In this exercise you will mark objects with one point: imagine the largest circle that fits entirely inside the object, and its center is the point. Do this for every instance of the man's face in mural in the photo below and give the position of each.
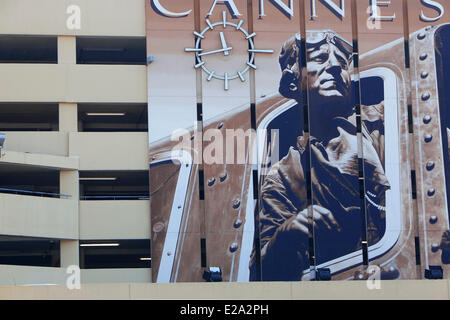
(328, 72)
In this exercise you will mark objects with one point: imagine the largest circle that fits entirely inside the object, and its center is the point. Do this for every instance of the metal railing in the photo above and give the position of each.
(65, 196)
(34, 193)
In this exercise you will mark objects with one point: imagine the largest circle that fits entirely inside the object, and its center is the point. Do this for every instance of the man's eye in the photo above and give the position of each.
(343, 63)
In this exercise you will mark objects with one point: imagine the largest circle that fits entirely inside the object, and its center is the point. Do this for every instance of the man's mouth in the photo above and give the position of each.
(328, 80)
(333, 84)
(329, 84)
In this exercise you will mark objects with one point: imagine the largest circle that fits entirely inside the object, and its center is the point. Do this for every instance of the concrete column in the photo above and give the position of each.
(70, 253)
(69, 185)
(68, 117)
(68, 112)
(67, 50)
(68, 121)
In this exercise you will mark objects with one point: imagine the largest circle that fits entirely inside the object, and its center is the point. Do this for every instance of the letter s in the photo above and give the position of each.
(433, 5)
(156, 5)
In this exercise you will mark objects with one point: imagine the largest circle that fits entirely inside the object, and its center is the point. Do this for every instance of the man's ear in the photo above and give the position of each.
(290, 86)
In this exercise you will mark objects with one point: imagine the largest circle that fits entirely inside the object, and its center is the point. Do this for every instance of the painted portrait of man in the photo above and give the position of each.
(331, 151)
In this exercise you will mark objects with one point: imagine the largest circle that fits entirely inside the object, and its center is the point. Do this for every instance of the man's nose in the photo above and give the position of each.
(333, 66)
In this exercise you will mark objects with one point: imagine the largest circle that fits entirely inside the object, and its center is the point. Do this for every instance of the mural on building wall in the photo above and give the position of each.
(290, 136)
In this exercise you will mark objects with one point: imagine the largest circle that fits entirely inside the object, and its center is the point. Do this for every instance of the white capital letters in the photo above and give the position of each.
(338, 10)
(164, 12)
(433, 5)
(374, 13)
(230, 5)
(280, 5)
(372, 23)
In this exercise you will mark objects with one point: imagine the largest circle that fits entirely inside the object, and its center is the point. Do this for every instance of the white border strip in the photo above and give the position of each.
(392, 161)
(176, 215)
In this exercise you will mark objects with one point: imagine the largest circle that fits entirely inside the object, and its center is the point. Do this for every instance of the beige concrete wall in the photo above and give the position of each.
(72, 83)
(51, 143)
(21, 275)
(110, 150)
(99, 17)
(32, 276)
(68, 84)
(137, 275)
(115, 219)
(96, 150)
(38, 217)
(39, 160)
(347, 290)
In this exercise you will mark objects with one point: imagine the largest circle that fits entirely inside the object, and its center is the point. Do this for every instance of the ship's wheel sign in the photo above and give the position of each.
(226, 49)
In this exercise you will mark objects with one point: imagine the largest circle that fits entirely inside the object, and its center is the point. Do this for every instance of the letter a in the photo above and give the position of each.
(230, 5)
(74, 280)
(74, 20)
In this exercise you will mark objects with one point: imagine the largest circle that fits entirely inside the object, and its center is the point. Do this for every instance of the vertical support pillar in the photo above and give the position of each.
(67, 50)
(69, 248)
(68, 117)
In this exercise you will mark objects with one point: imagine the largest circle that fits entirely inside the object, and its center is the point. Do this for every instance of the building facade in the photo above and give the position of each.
(148, 141)
(74, 128)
